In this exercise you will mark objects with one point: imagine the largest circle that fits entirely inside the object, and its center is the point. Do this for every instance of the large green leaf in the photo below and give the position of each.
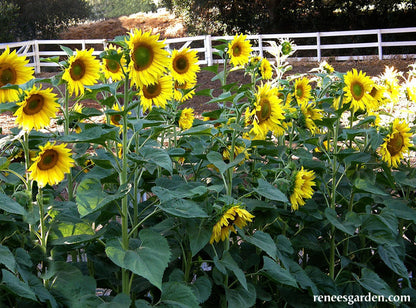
(91, 197)
(176, 294)
(120, 301)
(157, 156)
(9, 205)
(348, 226)
(277, 273)
(381, 228)
(202, 288)
(7, 258)
(149, 260)
(263, 241)
(228, 262)
(16, 286)
(390, 257)
(269, 191)
(199, 239)
(183, 208)
(367, 186)
(240, 297)
(373, 283)
(98, 134)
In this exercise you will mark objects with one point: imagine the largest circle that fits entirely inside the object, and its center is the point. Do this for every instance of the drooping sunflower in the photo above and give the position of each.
(377, 96)
(268, 112)
(112, 68)
(357, 89)
(83, 70)
(186, 118)
(184, 65)
(265, 69)
(302, 187)
(37, 109)
(234, 216)
(302, 91)
(149, 59)
(310, 114)
(237, 150)
(187, 88)
(396, 143)
(115, 118)
(239, 50)
(13, 70)
(51, 164)
(157, 93)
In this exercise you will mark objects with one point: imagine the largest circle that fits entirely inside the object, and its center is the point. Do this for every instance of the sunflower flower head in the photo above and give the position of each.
(186, 118)
(234, 216)
(302, 187)
(310, 114)
(390, 80)
(184, 65)
(357, 89)
(13, 70)
(239, 50)
(36, 109)
(83, 70)
(113, 64)
(302, 90)
(149, 58)
(184, 91)
(265, 68)
(51, 164)
(268, 112)
(157, 93)
(396, 143)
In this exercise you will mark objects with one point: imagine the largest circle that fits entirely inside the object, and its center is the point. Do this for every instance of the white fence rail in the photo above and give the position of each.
(357, 45)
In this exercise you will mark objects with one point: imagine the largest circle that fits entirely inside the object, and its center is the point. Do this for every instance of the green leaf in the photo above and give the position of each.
(16, 286)
(381, 228)
(157, 156)
(373, 283)
(365, 185)
(91, 197)
(183, 208)
(390, 257)
(400, 208)
(277, 273)
(7, 258)
(120, 301)
(67, 50)
(199, 240)
(228, 262)
(216, 159)
(202, 288)
(206, 129)
(149, 260)
(267, 190)
(240, 297)
(348, 226)
(98, 134)
(9, 205)
(176, 294)
(263, 241)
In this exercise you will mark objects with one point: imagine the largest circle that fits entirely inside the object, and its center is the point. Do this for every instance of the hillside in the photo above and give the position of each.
(162, 22)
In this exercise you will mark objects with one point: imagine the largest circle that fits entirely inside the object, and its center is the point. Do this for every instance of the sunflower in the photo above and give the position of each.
(265, 69)
(157, 93)
(396, 143)
(237, 150)
(186, 118)
(410, 90)
(234, 216)
(309, 115)
(357, 89)
(268, 112)
(83, 70)
(302, 91)
(239, 50)
(377, 96)
(390, 80)
(116, 118)
(149, 59)
(13, 70)
(302, 187)
(183, 66)
(51, 164)
(187, 87)
(37, 109)
(112, 68)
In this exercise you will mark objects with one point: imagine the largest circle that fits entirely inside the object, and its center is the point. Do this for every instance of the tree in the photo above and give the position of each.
(116, 8)
(8, 21)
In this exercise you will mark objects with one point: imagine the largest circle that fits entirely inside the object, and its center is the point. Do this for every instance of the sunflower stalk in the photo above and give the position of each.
(66, 133)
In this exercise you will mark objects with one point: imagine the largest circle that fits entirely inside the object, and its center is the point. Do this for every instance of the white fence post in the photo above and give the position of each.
(36, 57)
(318, 46)
(260, 45)
(380, 45)
(208, 50)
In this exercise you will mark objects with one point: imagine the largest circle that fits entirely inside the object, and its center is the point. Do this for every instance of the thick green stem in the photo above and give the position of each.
(66, 133)
(43, 233)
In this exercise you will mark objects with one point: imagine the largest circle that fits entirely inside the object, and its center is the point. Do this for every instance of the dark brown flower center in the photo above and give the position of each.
(181, 64)
(236, 50)
(395, 144)
(266, 110)
(357, 91)
(48, 160)
(152, 91)
(77, 70)
(112, 65)
(115, 119)
(299, 92)
(7, 75)
(34, 104)
(142, 56)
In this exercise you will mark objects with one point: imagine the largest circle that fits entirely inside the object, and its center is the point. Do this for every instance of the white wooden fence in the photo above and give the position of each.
(315, 45)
